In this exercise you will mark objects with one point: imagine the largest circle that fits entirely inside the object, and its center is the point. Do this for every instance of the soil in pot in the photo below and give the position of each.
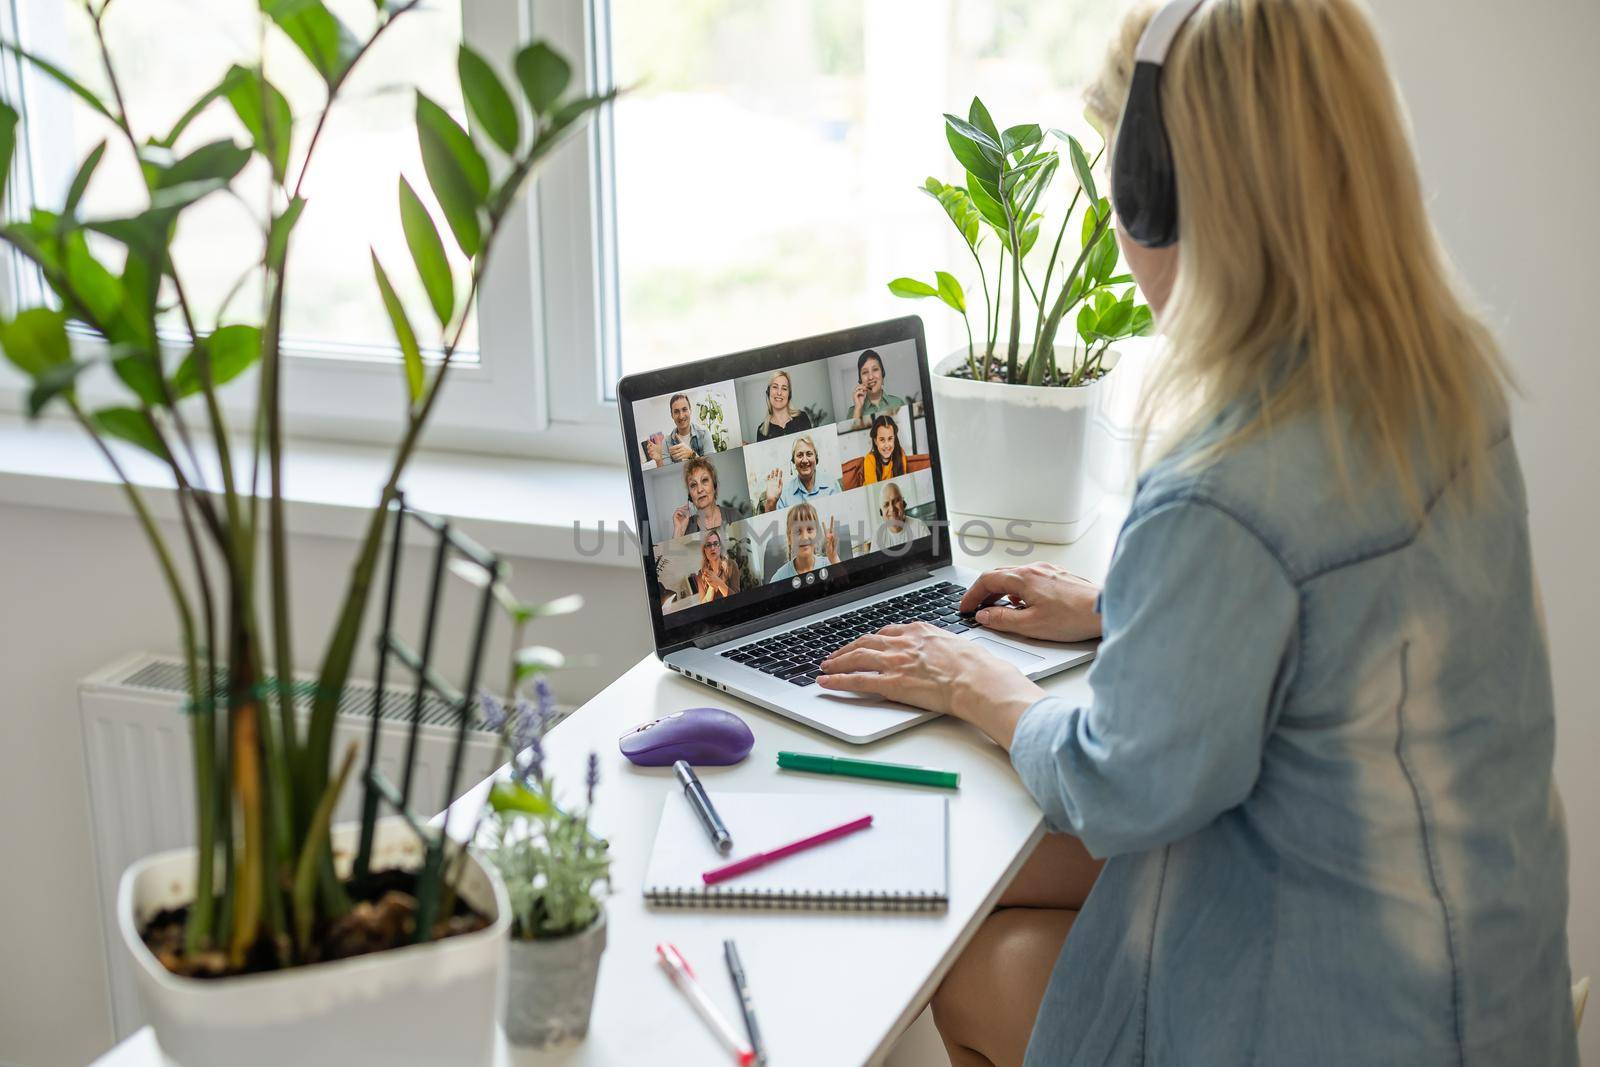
(998, 375)
(382, 916)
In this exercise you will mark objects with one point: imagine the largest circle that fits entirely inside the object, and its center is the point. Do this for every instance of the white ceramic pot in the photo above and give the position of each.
(1017, 456)
(419, 1005)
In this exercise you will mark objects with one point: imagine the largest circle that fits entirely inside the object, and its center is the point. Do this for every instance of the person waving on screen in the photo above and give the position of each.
(807, 483)
(1309, 779)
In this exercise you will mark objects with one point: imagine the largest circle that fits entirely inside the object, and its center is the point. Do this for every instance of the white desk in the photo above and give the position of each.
(832, 989)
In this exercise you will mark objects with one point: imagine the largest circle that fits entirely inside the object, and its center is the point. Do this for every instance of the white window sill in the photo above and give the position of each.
(537, 509)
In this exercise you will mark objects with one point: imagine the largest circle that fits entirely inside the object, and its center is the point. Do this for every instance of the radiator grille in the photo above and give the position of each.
(171, 677)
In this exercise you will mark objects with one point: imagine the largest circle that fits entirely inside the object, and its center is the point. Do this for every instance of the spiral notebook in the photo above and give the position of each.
(900, 863)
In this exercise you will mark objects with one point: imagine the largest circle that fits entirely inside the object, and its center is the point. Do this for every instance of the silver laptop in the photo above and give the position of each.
(789, 499)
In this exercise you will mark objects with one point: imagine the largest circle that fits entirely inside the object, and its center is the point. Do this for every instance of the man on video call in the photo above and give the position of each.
(686, 439)
(805, 484)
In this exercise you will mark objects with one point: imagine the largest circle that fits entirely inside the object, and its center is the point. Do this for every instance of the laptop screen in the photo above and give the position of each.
(773, 478)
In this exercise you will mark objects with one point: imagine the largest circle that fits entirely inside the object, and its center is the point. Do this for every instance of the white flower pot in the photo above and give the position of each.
(419, 1005)
(1018, 456)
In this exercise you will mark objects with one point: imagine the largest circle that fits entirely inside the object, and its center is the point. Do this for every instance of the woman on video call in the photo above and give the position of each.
(869, 399)
(887, 459)
(807, 483)
(718, 576)
(800, 526)
(700, 511)
(1316, 756)
(781, 417)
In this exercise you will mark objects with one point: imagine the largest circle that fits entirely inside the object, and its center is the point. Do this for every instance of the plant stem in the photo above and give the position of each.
(1062, 306)
(987, 312)
(972, 356)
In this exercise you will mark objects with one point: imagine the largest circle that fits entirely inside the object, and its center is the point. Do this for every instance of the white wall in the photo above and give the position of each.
(1505, 100)
(78, 590)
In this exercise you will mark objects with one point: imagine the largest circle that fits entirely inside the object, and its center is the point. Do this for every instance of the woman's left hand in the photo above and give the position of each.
(921, 665)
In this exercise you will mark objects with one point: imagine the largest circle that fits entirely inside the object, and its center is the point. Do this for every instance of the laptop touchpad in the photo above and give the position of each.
(1009, 653)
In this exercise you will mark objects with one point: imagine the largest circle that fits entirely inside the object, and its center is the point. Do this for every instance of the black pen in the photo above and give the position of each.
(746, 1005)
(702, 807)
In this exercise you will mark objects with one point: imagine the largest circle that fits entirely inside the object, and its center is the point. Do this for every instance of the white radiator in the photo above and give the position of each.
(141, 788)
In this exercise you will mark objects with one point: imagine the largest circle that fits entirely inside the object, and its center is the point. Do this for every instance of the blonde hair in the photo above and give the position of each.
(799, 513)
(790, 412)
(1310, 279)
(803, 439)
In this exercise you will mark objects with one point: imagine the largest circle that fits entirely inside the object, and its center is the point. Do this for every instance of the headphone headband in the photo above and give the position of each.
(1144, 188)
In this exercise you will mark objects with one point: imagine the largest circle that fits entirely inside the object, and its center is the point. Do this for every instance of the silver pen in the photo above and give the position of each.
(702, 807)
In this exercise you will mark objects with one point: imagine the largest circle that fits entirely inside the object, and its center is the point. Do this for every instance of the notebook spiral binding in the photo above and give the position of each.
(792, 900)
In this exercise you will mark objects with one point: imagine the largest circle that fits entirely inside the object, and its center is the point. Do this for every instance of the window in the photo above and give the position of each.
(757, 181)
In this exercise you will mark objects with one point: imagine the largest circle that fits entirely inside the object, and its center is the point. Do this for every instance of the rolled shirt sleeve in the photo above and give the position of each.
(1199, 618)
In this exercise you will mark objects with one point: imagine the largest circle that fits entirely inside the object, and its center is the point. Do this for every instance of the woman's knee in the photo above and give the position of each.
(990, 997)
(1059, 874)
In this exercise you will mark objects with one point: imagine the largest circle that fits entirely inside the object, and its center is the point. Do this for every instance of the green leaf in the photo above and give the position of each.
(457, 173)
(1080, 167)
(972, 155)
(403, 333)
(141, 373)
(506, 795)
(265, 114)
(282, 227)
(911, 289)
(80, 181)
(219, 161)
(539, 658)
(487, 100)
(133, 426)
(544, 75)
(950, 291)
(978, 115)
(36, 340)
(561, 605)
(8, 143)
(221, 89)
(1019, 137)
(1088, 319)
(987, 206)
(92, 284)
(427, 252)
(325, 41)
(1030, 234)
(53, 382)
(1142, 322)
(61, 77)
(233, 350)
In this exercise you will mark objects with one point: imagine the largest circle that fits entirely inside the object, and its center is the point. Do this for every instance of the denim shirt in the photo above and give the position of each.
(1318, 755)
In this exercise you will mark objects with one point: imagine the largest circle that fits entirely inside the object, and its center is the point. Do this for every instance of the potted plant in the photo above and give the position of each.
(1025, 403)
(551, 864)
(266, 942)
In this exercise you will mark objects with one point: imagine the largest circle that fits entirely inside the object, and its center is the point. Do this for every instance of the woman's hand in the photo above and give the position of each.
(774, 489)
(680, 520)
(919, 664)
(1047, 602)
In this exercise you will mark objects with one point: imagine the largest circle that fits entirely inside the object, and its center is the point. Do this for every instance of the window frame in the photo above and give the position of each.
(543, 294)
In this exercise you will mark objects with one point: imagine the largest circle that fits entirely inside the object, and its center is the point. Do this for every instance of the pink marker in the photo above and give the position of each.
(761, 859)
(677, 969)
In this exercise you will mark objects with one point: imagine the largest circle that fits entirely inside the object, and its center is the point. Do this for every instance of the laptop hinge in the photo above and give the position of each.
(858, 592)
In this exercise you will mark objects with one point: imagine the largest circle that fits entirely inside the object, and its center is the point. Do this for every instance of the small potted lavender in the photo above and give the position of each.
(551, 863)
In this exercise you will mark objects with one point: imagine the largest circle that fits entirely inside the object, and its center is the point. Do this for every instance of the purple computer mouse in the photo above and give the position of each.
(704, 737)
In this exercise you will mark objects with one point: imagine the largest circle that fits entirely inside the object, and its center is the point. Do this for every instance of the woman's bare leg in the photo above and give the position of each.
(986, 1006)
(1059, 874)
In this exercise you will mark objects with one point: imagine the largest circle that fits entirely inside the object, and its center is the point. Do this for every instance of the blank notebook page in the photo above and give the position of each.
(900, 862)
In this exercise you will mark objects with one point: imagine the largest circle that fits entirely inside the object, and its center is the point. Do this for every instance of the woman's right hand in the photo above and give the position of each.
(680, 520)
(1047, 602)
(774, 488)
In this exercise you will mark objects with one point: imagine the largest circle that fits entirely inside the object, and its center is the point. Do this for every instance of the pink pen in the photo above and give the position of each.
(761, 859)
(677, 969)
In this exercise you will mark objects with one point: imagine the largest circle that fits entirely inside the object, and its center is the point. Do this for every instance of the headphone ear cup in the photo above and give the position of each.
(1143, 185)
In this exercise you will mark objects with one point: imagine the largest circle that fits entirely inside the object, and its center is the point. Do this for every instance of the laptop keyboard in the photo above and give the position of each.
(796, 656)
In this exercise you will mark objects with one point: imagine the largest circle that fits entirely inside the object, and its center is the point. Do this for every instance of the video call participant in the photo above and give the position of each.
(806, 484)
(870, 399)
(800, 530)
(897, 528)
(685, 441)
(718, 576)
(781, 417)
(700, 511)
(887, 458)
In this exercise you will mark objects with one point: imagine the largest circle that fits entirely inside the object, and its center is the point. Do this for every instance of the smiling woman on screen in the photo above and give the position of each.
(1316, 758)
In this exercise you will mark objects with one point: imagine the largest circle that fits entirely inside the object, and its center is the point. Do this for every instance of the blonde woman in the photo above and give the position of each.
(801, 528)
(808, 482)
(782, 416)
(718, 576)
(1317, 757)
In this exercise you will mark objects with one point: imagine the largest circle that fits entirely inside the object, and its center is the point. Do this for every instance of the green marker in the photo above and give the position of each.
(860, 768)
